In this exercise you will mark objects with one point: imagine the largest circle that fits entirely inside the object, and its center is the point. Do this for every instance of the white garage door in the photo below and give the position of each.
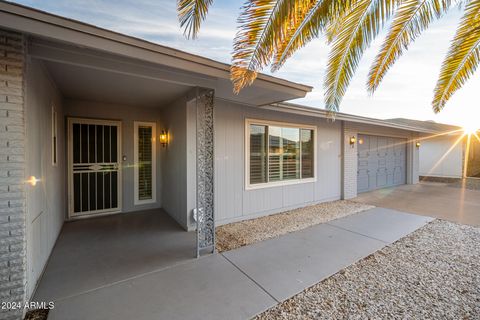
(382, 162)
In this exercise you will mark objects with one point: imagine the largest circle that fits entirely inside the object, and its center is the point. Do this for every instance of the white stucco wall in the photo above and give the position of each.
(437, 160)
(45, 201)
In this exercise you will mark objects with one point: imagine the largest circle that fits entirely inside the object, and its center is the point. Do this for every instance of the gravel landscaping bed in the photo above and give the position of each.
(38, 314)
(238, 234)
(434, 273)
(468, 183)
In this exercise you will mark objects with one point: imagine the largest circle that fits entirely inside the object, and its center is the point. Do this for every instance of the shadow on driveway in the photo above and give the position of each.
(430, 199)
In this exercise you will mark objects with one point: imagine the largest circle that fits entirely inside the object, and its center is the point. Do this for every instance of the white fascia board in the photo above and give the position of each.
(321, 113)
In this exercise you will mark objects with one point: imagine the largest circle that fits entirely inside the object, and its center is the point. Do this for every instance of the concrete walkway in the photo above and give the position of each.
(243, 282)
(437, 200)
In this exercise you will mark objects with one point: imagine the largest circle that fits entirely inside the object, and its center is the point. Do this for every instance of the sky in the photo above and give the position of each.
(406, 91)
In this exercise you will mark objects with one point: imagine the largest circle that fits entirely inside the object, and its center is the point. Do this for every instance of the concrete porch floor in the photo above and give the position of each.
(234, 285)
(437, 200)
(93, 253)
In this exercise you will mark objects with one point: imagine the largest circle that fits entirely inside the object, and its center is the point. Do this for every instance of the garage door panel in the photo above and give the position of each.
(390, 178)
(382, 147)
(372, 146)
(363, 163)
(363, 182)
(381, 162)
(400, 146)
(399, 176)
(390, 172)
(364, 149)
(381, 178)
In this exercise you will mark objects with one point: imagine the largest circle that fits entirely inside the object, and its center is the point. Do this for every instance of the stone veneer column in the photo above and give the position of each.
(205, 171)
(12, 172)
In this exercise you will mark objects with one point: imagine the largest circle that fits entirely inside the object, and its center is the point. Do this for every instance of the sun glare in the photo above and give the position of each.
(471, 128)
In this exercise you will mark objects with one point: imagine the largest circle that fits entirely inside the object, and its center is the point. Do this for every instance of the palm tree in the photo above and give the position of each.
(271, 31)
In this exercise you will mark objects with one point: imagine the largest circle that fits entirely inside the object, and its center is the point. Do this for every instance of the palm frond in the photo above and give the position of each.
(411, 18)
(462, 58)
(334, 26)
(298, 34)
(359, 27)
(191, 13)
(263, 25)
(309, 27)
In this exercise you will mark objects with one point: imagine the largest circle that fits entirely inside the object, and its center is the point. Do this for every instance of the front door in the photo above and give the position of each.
(94, 185)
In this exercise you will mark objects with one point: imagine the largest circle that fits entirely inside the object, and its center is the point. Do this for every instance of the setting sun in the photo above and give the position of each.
(470, 128)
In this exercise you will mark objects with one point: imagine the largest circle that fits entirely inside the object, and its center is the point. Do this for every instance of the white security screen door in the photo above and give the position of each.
(94, 185)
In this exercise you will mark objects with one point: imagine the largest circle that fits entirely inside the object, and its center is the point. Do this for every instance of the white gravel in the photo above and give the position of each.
(243, 233)
(434, 273)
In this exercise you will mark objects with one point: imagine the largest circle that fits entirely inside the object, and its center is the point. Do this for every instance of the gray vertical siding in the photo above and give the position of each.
(233, 202)
(191, 148)
(174, 162)
(45, 202)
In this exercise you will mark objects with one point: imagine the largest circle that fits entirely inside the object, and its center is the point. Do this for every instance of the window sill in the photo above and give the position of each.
(279, 183)
(142, 202)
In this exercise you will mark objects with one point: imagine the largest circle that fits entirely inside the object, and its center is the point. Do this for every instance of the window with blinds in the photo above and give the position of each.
(145, 164)
(54, 137)
(279, 153)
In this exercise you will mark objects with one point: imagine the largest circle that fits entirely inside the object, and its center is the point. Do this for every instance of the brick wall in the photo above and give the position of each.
(349, 173)
(12, 176)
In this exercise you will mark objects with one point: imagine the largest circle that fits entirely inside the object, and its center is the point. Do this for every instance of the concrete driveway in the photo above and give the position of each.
(430, 199)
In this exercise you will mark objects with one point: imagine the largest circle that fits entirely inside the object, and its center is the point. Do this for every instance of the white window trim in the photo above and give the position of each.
(248, 185)
(54, 143)
(136, 125)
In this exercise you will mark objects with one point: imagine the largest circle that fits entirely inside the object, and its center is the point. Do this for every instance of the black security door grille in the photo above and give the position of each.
(94, 166)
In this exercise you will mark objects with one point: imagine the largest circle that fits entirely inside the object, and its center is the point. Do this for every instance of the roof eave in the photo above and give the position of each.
(42, 24)
(321, 113)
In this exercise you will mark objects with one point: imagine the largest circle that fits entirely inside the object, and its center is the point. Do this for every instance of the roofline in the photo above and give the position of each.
(60, 22)
(450, 126)
(322, 113)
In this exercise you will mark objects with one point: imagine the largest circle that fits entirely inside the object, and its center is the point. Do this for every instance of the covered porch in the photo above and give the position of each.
(93, 253)
(120, 155)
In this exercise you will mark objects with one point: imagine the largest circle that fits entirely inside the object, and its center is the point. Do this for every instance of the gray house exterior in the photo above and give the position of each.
(77, 101)
(453, 153)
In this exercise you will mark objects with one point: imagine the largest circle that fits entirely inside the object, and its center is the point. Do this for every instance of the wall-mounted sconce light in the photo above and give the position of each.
(417, 144)
(32, 181)
(353, 139)
(164, 138)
